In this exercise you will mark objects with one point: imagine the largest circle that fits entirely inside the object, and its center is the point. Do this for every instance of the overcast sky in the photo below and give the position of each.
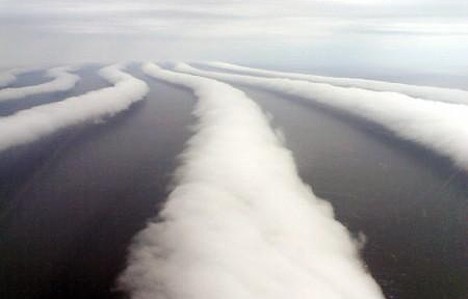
(397, 34)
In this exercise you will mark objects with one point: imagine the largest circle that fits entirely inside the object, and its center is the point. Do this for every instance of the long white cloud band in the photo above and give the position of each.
(441, 127)
(240, 222)
(29, 125)
(62, 81)
(425, 92)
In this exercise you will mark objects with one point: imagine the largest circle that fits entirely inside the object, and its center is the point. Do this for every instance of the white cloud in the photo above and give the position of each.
(62, 81)
(448, 95)
(240, 223)
(29, 125)
(441, 127)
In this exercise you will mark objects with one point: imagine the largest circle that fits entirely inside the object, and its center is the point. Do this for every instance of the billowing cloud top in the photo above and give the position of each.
(241, 224)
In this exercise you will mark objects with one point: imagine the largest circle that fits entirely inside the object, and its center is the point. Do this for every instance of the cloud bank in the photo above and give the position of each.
(441, 127)
(240, 222)
(426, 92)
(29, 125)
(62, 81)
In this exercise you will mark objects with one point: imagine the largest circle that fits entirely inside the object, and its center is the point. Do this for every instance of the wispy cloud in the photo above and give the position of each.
(299, 18)
(448, 95)
(338, 29)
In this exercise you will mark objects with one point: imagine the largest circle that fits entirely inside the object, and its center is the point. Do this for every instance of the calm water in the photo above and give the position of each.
(71, 202)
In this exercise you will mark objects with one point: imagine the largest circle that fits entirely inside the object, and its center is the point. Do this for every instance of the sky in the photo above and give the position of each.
(427, 36)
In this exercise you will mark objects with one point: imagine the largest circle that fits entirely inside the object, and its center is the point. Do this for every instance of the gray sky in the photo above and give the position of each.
(417, 35)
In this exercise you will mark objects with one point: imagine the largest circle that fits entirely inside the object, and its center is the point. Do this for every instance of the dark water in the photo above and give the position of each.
(67, 227)
(71, 202)
(90, 80)
(411, 204)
